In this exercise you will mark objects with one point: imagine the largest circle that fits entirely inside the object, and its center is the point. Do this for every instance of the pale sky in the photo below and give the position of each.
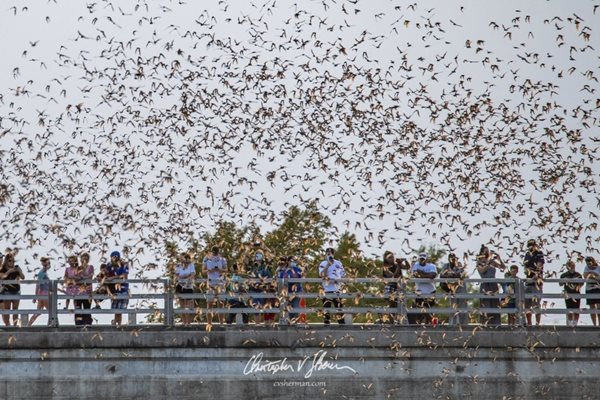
(525, 45)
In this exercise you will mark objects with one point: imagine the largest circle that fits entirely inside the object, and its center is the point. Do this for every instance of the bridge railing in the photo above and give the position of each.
(157, 300)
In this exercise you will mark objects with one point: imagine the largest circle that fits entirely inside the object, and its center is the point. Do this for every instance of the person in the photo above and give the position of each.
(85, 273)
(70, 279)
(11, 272)
(592, 274)
(423, 269)
(185, 274)
(117, 273)
(215, 267)
(570, 288)
(261, 275)
(291, 270)
(487, 264)
(534, 270)
(392, 269)
(510, 289)
(236, 289)
(454, 269)
(103, 288)
(330, 270)
(42, 288)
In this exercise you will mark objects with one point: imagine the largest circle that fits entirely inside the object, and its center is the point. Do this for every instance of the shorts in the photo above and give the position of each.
(182, 290)
(591, 302)
(119, 304)
(532, 302)
(573, 303)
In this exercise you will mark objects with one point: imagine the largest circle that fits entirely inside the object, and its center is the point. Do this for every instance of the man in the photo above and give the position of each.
(534, 272)
(290, 270)
(330, 270)
(117, 271)
(454, 269)
(261, 274)
(236, 289)
(571, 288)
(592, 274)
(215, 266)
(424, 270)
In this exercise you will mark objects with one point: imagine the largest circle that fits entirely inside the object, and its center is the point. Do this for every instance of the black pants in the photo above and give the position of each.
(83, 319)
(332, 303)
(230, 318)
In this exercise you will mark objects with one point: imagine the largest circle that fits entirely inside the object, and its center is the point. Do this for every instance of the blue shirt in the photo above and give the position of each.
(292, 273)
(44, 285)
(117, 271)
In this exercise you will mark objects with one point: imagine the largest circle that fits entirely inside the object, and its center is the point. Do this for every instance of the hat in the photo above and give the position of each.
(531, 242)
(422, 255)
(115, 254)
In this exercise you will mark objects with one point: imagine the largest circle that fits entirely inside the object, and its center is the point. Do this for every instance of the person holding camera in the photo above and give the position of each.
(534, 270)
(454, 269)
(215, 267)
(330, 270)
(392, 269)
(487, 264)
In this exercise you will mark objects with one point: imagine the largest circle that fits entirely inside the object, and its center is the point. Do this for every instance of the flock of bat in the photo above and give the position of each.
(153, 122)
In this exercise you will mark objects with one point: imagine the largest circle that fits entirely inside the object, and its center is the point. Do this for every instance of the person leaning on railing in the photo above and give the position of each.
(571, 288)
(592, 273)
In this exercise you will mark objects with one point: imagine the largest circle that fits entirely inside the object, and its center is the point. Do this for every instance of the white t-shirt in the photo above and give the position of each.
(424, 287)
(335, 271)
(180, 270)
(215, 265)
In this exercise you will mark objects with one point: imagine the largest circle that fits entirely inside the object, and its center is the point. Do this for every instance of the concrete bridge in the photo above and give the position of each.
(356, 362)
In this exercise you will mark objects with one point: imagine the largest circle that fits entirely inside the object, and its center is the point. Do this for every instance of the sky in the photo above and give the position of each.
(261, 144)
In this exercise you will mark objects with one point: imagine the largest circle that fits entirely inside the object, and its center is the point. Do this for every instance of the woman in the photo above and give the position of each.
(185, 274)
(592, 274)
(85, 274)
(487, 264)
(10, 271)
(392, 268)
(70, 279)
(42, 288)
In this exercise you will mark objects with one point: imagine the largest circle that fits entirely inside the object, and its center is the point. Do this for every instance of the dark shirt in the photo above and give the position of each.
(14, 274)
(534, 265)
(571, 287)
(116, 270)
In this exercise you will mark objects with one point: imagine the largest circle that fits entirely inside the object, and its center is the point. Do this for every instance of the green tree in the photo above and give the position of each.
(302, 233)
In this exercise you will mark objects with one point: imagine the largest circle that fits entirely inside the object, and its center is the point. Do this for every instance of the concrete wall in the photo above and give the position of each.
(154, 363)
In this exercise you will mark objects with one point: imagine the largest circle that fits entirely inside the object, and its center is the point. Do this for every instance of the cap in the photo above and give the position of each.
(115, 254)
(422, 255)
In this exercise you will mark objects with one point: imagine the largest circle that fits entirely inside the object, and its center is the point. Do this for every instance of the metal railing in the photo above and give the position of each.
(157, 300)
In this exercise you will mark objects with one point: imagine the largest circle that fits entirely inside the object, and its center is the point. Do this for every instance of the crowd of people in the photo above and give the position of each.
(251, 284)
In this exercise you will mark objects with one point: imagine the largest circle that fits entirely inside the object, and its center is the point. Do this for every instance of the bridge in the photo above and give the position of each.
(164, 360)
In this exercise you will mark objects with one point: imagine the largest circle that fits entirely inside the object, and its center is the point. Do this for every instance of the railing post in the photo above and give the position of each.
(520, 302)
(169, 318)
(53, 304)
(283, 294)
(402, 302)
